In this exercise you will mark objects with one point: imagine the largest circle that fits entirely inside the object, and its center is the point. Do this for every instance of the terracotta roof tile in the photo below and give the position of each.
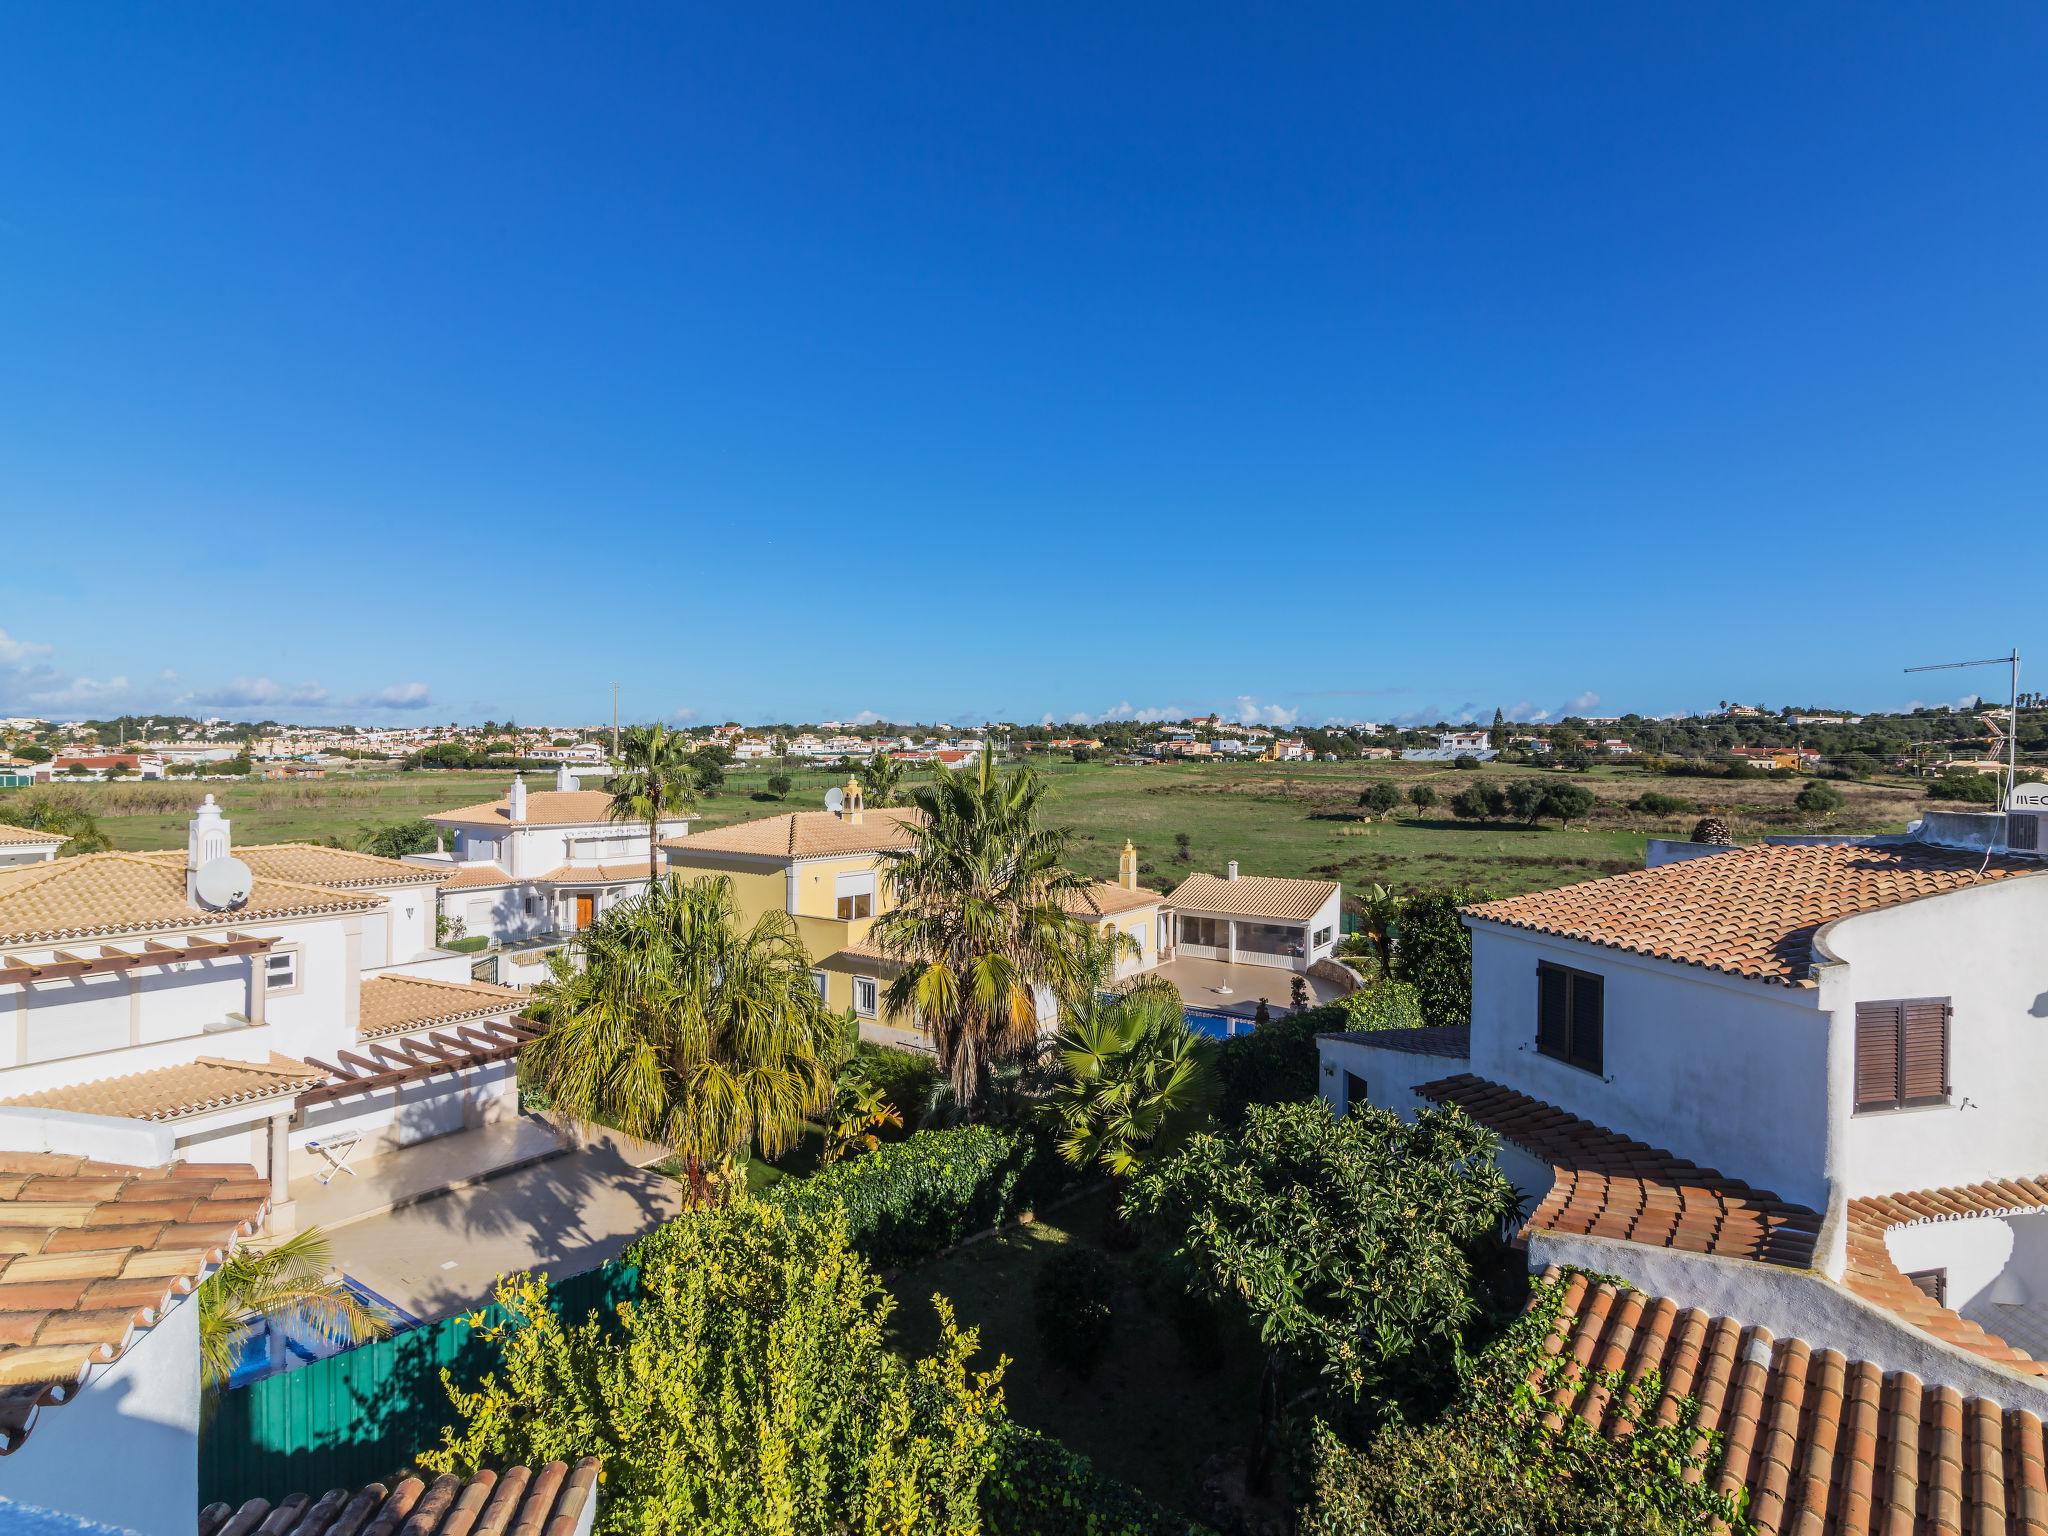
(312, 864)
(802, 835)
(1607, 1185)
(1750, 911)
(473, 877)
(1822, 1444)
(396, 1005)
(1873, 1275)
(189, 1088)
(108, 893)
(594, 874)
(1255, 896)
(96, 1251)
(544, 808)
(1454, 1040)
(1105, 898)
(515, 1502)
(11, 836)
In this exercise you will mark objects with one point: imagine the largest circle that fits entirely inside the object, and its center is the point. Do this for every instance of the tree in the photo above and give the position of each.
(683, 1027)
(653, 784)
(1422, 797)
(81, 830)
(749, 1386)
(1133, 1080)
(1381, 798)
(1465, 762)
(1568, 802)
(1382, 916)
(398, 839)
(881, 779)
(780, 784)
(1182, 843)
(1497, 735)
(290, 1282)
(707, 770)
(1354, 1247)
(1469, 803)
(1435, 953)
(1525, 798)
(1817, 797)
(980, 920)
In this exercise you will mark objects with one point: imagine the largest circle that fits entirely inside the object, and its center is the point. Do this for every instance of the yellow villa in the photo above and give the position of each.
(824, 868)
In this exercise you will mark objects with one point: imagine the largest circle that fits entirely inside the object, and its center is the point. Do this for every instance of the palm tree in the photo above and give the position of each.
(82, 831)
(652, 784)
(293, 1280)
(980, 921)
(881, 777)
(684, 1027)
(1136, 1079)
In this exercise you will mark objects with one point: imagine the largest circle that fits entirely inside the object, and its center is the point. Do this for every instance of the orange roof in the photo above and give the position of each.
(1105, 898)
(472, 877)
(803, 835)
(544, 808)
(1873, 1275)
(1256, 896)
(395, 1005)
(1750, 911)
(107, 893)
(312, 864)
(91, 1252)
(1607, 1185)
(484, 1504)
(595, 874)
(1824, 1445)
(189, 1088)
(14, 836)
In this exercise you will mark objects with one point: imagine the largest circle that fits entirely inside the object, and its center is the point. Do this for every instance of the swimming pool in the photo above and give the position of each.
(1218, 1026)
(269, 1346)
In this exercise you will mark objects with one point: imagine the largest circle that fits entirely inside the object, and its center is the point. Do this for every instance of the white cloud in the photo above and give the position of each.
(1124, 710)
(1249, 711)
(683, 716)
(20, 653)
(1579, 703)
(867, 717)
(83, 693)
(255, 693)
(396, 696)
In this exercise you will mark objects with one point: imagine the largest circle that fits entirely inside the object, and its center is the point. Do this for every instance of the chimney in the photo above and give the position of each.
(516, 801)
(1127, 867)
(1230, 870)
(853, 800)
(206, 838)
(565, 776)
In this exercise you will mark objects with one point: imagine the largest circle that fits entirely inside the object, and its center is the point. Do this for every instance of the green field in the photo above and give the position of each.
(1276, 819)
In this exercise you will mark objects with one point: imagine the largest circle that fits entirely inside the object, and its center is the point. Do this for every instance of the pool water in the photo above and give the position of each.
(1218, 1026)
(269, 1346)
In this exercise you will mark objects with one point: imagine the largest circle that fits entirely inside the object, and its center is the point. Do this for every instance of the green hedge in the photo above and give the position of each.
(1276, 1064)
(1383, 1005)
(1040, 1488)
(907, 1200)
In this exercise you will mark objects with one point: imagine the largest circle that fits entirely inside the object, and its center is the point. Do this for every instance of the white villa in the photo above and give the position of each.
(1256, 919)
(535, 864)
(1796, 1086)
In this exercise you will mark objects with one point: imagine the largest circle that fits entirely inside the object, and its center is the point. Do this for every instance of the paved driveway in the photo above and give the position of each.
(565, 1215)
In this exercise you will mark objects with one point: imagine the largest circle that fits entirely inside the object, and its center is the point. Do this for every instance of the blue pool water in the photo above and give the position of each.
(297, 1344)
(1218, 1026)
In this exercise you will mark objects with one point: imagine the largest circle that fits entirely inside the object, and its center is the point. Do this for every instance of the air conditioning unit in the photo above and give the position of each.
(2023, 832)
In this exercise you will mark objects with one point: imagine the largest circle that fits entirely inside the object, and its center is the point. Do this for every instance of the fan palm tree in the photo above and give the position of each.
(685, 1027)
(1135, 1080)
(881, 779)
(80, 828)
(980, 921)
(653, 783)
(293, 1280)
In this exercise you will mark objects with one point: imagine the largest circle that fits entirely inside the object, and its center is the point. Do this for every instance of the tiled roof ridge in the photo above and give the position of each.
(1606, 1184)
(1874, 1275)
(398, 867)
(154, 859)
(179, 1091)
(1821, 1443)
(10, 833)
(517, 1501)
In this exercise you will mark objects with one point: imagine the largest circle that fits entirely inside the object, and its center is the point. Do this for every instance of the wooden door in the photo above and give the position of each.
(586, 909)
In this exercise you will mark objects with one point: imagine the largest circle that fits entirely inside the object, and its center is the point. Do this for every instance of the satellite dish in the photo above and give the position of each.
(835, 800)
(222, 884)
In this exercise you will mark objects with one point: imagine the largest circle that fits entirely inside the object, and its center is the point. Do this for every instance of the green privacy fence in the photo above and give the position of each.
(361, 1416)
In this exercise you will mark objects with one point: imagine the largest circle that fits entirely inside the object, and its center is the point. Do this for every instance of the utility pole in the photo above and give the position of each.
(615, 722)
(2012, 733)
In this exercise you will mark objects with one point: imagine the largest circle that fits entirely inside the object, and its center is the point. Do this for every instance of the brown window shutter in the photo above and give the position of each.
(1553, 1002)
(1588, 1023)
(1923, 1059)
(1877, 1055)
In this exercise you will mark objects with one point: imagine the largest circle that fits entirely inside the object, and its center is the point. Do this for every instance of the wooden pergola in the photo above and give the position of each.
(65, 965)
(393, 1063)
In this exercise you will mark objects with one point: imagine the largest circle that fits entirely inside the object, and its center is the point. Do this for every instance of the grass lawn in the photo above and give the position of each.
(1148, 1417)
(1275, 819)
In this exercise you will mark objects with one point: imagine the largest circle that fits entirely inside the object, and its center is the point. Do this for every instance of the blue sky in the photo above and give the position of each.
(935, 361)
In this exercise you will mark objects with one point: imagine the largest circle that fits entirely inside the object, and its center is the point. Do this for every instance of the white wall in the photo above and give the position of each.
(1728, 1072)
(125, 1450)
(1986, 949)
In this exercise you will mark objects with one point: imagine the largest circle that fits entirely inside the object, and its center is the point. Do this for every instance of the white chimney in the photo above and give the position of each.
(565, 777)
(206, 838)
(1230, 870)
(516, 801)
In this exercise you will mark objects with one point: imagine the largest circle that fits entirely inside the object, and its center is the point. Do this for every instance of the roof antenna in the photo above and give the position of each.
(2012, 720)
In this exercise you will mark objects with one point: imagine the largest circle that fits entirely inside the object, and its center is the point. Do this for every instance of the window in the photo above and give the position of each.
(1902, 1053)
(1571, 1022)
(818, 984)
(851, 907)
(281, 971)
(1931, 1283)
(855, 894)
(864, 996)
(1322, 937)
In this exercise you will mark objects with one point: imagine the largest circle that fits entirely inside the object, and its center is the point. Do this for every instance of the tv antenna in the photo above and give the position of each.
(2012, 720)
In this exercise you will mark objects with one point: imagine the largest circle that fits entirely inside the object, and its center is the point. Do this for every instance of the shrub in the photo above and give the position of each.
(1382, 1005)
(1819, 799)
(1465, 762)
(1274, 1065)
(720, 1398)
(1655, 803)
(1568, 802)
(1070, 1306)
(907, 1200)
(1040, 1488)
(1435, 954)
(1971, 788)
(905, 1077)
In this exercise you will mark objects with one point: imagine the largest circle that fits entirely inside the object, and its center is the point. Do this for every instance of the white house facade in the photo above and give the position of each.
(23, 845)
(1264, 920)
